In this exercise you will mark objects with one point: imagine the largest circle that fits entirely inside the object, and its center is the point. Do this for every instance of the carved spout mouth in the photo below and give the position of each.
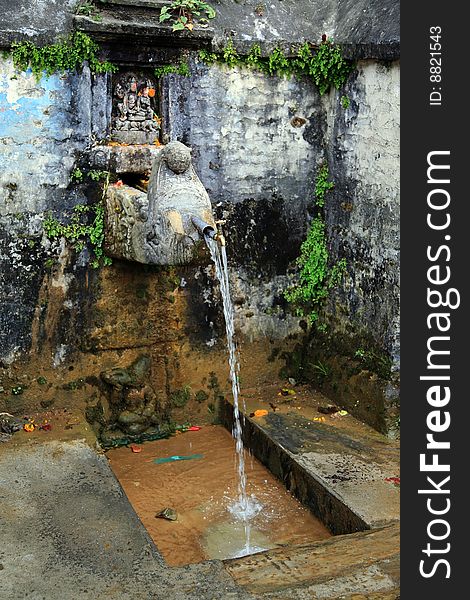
(204, 228)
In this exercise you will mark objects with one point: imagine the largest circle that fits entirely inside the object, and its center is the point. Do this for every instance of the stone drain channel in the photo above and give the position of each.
(342, 475)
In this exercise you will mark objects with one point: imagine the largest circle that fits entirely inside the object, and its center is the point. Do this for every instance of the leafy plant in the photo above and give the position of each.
(345, 102)
(85, 8)
(181, 69)
(78, 233)
(180, 398)
(375, 361)
(323, 371)
(328, 67)
(88, 9)
(182, 14)
(324, 64)
(66, 55)
(97, 175)
(201, 396)
(76, 175)
(230, 55)
(209, 58)
(278, 63)
(322, 185)
(316, 276)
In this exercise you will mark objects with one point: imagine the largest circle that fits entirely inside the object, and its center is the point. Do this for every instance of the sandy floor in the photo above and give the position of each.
(201, 490)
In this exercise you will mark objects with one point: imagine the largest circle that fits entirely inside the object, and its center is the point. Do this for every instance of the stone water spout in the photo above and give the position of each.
(167, 225)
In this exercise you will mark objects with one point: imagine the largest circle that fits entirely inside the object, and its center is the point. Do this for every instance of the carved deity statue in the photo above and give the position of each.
(134, 117)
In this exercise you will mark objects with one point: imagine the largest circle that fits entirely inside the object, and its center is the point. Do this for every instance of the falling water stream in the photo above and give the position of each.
(246, 507)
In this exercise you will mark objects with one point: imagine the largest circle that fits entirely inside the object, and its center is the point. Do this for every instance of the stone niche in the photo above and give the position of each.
(135, 102)
(130, 107)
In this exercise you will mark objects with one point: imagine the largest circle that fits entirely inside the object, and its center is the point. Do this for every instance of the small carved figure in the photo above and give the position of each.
(134, 109)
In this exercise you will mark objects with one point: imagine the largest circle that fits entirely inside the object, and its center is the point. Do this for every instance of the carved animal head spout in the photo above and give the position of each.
(167, 225)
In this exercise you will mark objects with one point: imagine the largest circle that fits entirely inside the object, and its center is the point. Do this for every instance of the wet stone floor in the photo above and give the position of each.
(202, 491)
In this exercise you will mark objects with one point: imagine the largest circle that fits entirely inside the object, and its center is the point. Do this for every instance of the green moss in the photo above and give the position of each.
(141, 291)
(201, 396)
(76, 384)
(375, 361)
(180, 398)
(324, 64)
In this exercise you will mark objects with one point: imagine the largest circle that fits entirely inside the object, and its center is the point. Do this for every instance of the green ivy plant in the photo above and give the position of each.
(180, 69)
(322, 185)
(316, 276)
(77, 175)
(325, 65)
(80, 234)
(183, 14)
(66, 55)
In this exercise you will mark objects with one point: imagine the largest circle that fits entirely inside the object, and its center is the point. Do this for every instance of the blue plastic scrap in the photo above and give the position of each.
(168, 459)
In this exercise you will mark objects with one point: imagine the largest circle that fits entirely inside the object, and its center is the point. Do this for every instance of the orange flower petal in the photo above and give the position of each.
(260, 413)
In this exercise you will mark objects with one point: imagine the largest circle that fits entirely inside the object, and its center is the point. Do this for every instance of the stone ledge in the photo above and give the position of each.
(144, 27)
(339, 476)
(155, 4)
(363, 29)
(124, 159)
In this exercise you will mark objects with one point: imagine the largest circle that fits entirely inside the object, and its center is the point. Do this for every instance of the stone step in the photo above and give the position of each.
(366, 561)
(344, 476)
(157, 4)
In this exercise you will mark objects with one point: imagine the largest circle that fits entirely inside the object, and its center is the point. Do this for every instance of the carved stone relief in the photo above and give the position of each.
(134, 116)
(159, 228)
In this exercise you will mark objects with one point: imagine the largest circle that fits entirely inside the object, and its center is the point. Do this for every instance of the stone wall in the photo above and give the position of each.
(257, 145)
(45, 128)
(363, 210)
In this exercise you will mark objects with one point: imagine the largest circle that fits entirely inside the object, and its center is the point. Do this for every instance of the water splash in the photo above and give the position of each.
(246, 507)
